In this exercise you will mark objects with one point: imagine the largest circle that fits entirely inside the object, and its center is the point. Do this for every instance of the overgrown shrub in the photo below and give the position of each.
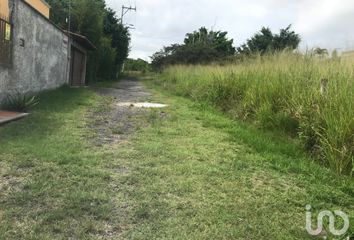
(20, 102)
(281, 91)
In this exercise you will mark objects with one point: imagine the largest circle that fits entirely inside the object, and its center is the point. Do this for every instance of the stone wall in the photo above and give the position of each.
(42, 62)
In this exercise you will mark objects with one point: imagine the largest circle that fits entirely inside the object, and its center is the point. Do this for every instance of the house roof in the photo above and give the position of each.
(82, 40)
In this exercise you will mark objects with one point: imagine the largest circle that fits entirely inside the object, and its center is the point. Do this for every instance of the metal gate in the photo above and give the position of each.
(5, 41)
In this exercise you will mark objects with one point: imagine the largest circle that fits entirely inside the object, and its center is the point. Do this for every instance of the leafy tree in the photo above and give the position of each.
(162, 57)
(335, 55)
(265, 41)
(120, 36)
(213, 40)
(202, 46)
(286, 39)
(321, 52)
(138, 65)
(101, 26)
(107, 68)
(87, 19)
(59, 12)
(260, 42)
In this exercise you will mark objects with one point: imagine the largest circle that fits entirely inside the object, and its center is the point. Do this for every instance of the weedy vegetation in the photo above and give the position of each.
(20, 102)
(192, 173)
(281, 92)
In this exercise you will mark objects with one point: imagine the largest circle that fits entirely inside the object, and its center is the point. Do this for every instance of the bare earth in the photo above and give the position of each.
(124, 110)
(114, 124)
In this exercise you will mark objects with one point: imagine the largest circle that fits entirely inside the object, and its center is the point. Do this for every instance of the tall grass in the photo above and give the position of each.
(281, 92)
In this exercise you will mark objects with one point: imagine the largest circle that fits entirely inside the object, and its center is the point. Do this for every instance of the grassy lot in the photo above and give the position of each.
(192, 174)
(282, 92)
(53, 184)
(200, 175)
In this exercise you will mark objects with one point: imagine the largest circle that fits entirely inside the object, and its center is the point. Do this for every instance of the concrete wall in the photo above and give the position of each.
(42, 63)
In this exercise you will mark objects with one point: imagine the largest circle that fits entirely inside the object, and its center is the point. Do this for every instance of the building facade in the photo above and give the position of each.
(40, 5)
(40, 55)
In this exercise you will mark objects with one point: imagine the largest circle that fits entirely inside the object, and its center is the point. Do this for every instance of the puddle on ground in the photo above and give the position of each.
(141, 105)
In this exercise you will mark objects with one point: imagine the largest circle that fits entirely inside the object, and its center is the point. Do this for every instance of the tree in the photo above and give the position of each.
(335, 55)
(107, 68)
(215, 40)
(87, 19)
(320, 52)
(261, 42)
(59, 12)
(137, 65)
(286, 39)
(202, 46)
(101, 26)
(265, 41)
(119, 34)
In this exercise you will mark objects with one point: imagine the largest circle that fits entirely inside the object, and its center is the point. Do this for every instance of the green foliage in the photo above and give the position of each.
(87, 19)
(202, 46)
(195, 169)
(321, 52)
(261, 42)
(20, 102)
(120, 36)
(137, 65)
(107, 59)
(282, 92)
(335, 55)
(100, 25)
(187, 175)
(62, 181)
(265, 41)
(59, 12)
(215, 40)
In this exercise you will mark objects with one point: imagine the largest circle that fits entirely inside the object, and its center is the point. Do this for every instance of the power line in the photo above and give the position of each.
(125, 10)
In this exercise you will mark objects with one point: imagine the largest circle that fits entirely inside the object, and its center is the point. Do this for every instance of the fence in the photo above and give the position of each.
(5, 41)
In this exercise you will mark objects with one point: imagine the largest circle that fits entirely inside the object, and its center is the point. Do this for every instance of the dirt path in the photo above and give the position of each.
(126, 90)
(114, 124)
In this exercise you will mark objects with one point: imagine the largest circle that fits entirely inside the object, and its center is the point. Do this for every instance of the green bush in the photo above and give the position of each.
(20, 102)
(281, 91)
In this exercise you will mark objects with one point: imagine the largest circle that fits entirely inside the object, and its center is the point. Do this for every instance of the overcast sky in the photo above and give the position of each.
(158, 23)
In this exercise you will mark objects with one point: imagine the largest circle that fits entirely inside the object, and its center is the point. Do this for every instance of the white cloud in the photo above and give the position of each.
(326, 23)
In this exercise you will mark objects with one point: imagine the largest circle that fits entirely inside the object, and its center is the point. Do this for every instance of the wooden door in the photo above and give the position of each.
(77, 68)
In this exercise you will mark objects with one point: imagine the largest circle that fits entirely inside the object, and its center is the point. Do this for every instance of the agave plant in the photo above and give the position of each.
(20, 102)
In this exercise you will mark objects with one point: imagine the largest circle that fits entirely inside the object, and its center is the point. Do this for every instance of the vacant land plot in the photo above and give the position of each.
(188, 172)
(300, 95)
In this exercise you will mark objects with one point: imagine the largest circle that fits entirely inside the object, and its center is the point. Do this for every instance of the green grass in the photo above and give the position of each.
(281, 92)
(53, 184)
(200, 175)
(193, 173)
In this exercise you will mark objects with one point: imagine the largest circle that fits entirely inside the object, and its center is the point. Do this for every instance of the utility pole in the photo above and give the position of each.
(125, 10)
